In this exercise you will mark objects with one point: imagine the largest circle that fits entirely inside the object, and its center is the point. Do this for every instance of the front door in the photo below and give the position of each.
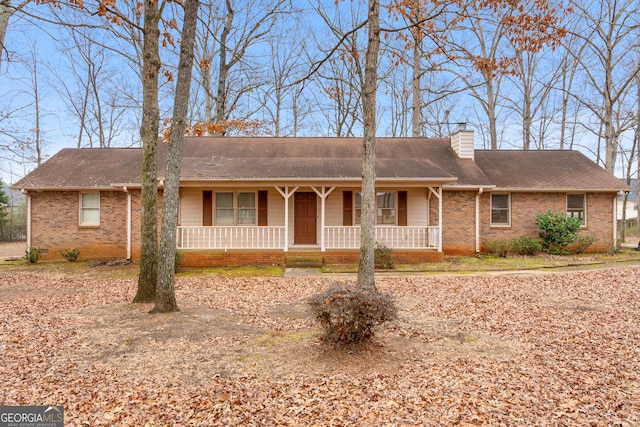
(304, 226)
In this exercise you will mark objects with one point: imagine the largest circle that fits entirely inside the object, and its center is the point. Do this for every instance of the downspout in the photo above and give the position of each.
(480, 191)
(615, 221)
(23, 191)
(126, 190)
(440, 219)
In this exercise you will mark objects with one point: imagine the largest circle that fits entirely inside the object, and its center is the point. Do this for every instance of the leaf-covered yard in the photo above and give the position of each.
(492, 349)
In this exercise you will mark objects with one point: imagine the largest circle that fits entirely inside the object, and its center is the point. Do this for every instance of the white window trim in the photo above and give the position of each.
(584, 206)
(500, 224)
(236, 209)
(81, 210)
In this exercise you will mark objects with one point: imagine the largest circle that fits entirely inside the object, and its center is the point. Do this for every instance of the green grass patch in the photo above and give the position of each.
(241, 271)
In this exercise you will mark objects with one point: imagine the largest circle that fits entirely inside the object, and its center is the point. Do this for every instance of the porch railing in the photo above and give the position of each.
(232, 237)
(253, 237)
(393, 237)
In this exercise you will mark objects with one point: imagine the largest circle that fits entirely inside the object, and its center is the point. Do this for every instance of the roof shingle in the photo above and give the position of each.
(299, 159)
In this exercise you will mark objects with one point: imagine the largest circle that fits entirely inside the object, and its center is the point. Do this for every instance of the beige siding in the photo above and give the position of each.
(333, 208)
(275, 203)
(417, 205)
(190, 207)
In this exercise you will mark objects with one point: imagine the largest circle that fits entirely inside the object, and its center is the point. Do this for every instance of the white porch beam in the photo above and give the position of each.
(284, 192)
(323, 195)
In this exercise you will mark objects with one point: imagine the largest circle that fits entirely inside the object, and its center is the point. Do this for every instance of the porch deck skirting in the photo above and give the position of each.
(274, 237)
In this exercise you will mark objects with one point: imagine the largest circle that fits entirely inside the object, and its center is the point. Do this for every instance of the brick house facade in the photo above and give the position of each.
(240, 202)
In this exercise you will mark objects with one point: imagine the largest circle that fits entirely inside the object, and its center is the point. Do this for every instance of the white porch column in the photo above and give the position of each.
(438, 194)
(286, 194)
(323, 195)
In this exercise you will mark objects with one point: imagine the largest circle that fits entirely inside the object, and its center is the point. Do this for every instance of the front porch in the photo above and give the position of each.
(331, 237)
(224, 226)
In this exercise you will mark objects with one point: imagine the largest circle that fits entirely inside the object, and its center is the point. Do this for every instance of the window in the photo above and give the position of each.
(90, 209)
(232, 209)
(224, 209)
(576, 207)
(246, 208)
(385, 208)
(500, 214)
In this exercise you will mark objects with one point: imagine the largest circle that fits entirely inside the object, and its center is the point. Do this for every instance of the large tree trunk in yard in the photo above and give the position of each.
(366, 267)
(166, 296)
(148, 275)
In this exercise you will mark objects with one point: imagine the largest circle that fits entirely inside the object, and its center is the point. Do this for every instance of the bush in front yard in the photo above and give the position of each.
(32, 255)
(499, 247)
(383, 257)
(70, 255)
(582, 243)
(557, 231)
(348, 313)
(526, 245)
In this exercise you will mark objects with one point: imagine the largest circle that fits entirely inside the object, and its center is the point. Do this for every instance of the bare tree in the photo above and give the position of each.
(149, 129)
(7, 10)
(609, 32)
(279, 100)
(166, 298)
(366, 266)
(94, 91)
(229, 34)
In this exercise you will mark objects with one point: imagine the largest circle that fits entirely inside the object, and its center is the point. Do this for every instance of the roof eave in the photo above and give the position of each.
(559, 190)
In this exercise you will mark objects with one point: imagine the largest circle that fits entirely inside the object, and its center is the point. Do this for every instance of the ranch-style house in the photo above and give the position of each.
(250, 200)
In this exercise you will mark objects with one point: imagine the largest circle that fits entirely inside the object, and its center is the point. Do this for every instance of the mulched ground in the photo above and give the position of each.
(503, 349)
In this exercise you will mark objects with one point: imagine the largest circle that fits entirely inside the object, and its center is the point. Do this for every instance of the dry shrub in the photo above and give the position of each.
(348, 313)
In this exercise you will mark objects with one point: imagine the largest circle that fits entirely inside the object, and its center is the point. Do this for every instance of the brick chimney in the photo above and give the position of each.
(462, 142)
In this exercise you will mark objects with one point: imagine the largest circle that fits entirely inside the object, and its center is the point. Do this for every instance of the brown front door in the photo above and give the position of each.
(304, 225)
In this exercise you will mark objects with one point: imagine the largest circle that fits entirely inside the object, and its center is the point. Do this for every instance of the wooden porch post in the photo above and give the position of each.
(323, 195)
(286, 194)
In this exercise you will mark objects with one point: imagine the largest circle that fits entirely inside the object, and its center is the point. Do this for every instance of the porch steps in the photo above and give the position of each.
(303, 260)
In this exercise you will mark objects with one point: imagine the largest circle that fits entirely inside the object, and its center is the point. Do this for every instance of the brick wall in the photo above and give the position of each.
(55, 225)
(337, 257)
(524, 207)
(458, 222)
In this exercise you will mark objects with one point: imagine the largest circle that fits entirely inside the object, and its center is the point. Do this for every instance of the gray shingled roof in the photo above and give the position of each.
(222, 159)
(545, 170)
(307, 159)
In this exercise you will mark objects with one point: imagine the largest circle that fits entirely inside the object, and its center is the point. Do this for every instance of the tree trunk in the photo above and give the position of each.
(166, 295)
(5, 14)
(223, 71)
(366, 267)
(491, 113)
(149, 135)
(416, 99)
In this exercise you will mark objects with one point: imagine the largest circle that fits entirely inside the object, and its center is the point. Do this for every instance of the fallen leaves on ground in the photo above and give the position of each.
(516, 349)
